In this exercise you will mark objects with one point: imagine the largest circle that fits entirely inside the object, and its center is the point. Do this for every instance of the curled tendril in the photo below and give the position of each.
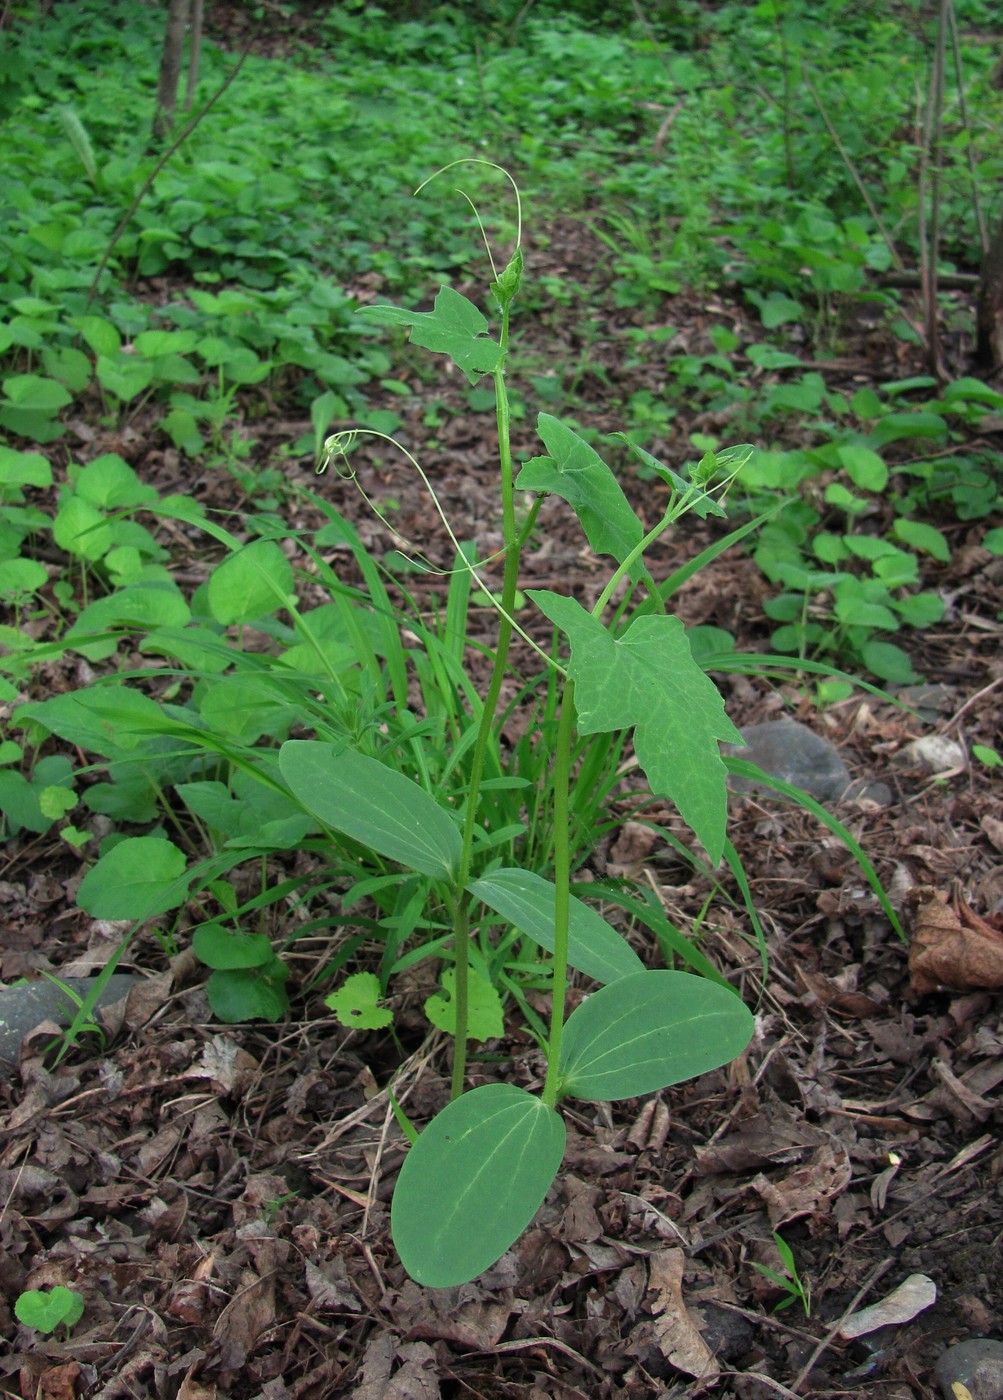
(336, 450)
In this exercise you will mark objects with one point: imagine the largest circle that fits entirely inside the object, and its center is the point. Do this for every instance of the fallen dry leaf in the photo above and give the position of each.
(901, 1305)
(59, 1382)
(677, 1336)
(809, 1189)
(952, 948)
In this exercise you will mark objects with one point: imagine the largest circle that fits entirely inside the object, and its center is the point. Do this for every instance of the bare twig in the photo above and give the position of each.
(851, 1307)
(178, 141)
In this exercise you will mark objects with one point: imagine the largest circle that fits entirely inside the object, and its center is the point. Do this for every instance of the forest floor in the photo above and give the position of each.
(220, 1194)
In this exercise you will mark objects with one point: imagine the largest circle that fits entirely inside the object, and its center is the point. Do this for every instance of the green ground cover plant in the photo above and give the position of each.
(456, 847)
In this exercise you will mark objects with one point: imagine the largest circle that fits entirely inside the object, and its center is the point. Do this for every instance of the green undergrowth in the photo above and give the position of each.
(296, 750)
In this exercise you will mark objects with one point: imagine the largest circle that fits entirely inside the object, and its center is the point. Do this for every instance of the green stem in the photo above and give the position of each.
(624, 569)
(562, 883)
(510, 579)
(461, 997)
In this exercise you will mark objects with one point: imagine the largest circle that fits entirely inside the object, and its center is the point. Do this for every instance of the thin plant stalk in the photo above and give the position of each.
(510, 579)
(562, 885)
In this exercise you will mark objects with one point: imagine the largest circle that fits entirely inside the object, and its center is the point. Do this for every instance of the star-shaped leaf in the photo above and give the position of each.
(647, 679)
(454, 326)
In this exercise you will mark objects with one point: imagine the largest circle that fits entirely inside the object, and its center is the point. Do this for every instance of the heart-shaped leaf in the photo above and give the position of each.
(484, 1007)
(472, 1183)
(645, 1032)
(46, 1311)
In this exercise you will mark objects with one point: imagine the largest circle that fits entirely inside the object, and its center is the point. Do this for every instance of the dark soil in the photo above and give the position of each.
(220, 1195)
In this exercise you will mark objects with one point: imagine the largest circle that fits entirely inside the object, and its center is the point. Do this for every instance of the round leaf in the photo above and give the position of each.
(249, 993)
(140, 877)
(650, 1030)
(472, 1183)
(218, 948)
(251, 583)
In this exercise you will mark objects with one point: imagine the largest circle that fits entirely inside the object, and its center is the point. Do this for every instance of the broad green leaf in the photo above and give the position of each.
(55, 801)
(527, 901)
(123, 375)
(250, 584)
(993, 541)
(373, 804)
(855, 611)
(575, 472)
(647, 679)
(920, 609)
(140, 877)
(356, 1003)
(455, 327)
(111, 484)
(484, 1010)
(249, 993)
(24, 468)
(888, 662)
(34, 391)
(101, 335)
(218, 948)
(864, 467)
(246, 706)
(104, 718)
(648, 1031)
(81, 530)
(472, 1183)
(21, 577)
(19, 802)
(136, 608)
(922, 536)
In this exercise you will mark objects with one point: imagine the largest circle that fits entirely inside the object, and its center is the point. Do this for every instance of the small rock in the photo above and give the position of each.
(791, 751)
(867, 795)
(933, 754)
(977, 1365)
(930, 702)
(27, 1006)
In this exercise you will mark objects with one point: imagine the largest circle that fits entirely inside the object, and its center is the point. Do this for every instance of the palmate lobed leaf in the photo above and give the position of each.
(473, 1181)
(454, 327)
(647, 679)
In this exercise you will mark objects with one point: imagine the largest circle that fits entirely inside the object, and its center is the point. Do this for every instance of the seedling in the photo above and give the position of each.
(47, 1309)
(796, 1290)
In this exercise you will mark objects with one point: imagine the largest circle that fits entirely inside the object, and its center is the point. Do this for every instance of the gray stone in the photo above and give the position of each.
(976, 1364)
(791, 751)
(24, 1007)
(930, 701)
